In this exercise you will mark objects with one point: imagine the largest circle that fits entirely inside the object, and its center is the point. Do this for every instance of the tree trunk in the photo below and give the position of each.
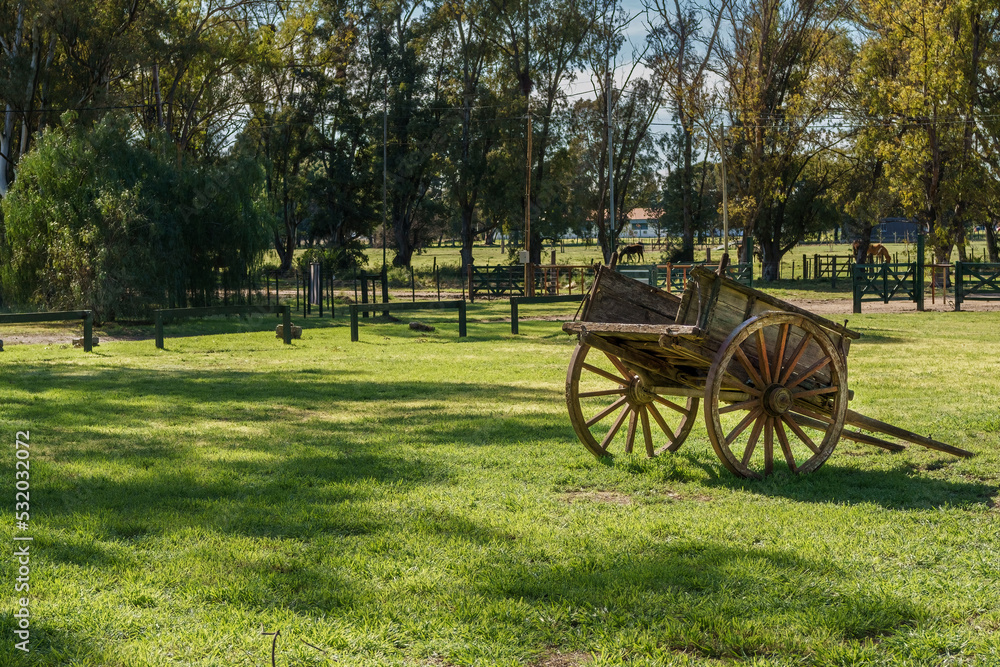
(467, 238)
(401, 226)
(771, 259)
(285, 248)
(991, 239)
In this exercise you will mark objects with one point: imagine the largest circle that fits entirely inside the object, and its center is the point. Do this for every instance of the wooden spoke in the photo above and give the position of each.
(602, 392)
(812, 370)
(604, 374)
(617, 363)
(614, 428)
(815, 392)
(670, 404)
(667, 431)
(769, 446)
(633, 418)
(779, 352)
(606, 411)
(794, 425)
(765, 367)
(786, 448)
(742, 426)
(748, 367)
(733, 383)
(754, 436)
(799, 351)
(647, 437)
(809, 412)
(745, 405)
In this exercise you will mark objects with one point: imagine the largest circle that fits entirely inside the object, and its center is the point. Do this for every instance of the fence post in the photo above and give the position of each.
(88, 331)
(354, 323)
(855, 287)
(884, 269)
(958, 285)
(461, 319)
(513, 315)
(364, 290)
(919, 272)
(833, 273)
(385, 289)
(286, 324)
(159, 330)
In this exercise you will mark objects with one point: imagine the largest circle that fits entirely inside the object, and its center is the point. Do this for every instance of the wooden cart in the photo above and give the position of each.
(772, 375)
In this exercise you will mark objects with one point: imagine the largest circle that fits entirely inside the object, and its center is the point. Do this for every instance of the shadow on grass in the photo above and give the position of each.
(705, 598)
(902, 487)
(243, 468)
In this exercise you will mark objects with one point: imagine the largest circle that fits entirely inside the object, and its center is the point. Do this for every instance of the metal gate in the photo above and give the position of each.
(885, 282)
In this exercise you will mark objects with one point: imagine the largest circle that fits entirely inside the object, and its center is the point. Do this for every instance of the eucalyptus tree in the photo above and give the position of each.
(784, 66)
(541, 45)
(63, 55)
(467, 26)
(408, 52)
(682, 38)
(920, 64)
(625, 104)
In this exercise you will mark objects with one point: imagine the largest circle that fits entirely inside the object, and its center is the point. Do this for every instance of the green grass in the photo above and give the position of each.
(422, 500)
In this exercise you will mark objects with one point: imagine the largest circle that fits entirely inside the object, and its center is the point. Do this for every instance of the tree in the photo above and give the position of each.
(784, 66)
(919, 68)
(540, 44)
(468, 25)
(675, 38)
(97, 220)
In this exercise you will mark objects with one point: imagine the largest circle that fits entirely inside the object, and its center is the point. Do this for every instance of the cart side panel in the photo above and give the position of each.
(720, 306)
(615, 298)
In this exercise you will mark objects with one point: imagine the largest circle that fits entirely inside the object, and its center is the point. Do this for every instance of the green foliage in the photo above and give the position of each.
(341, 260)
(97, 220)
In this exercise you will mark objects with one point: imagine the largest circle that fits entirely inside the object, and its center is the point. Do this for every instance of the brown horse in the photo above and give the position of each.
(634, 251)
(876, 250)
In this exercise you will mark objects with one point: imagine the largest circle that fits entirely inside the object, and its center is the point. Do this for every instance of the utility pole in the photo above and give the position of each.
(385, 154)
(725, 195)
(611, 174)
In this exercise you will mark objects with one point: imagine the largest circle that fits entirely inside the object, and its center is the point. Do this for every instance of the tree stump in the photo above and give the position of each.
(280, 330)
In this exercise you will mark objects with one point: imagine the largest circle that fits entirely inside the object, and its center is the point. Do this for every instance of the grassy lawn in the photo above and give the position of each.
(422, 500)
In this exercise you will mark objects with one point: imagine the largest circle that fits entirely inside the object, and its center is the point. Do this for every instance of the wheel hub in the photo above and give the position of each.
(637, 394)
(777, 400)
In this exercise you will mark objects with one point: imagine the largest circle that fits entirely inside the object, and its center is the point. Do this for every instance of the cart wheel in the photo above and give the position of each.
(602, 393)
(784, 365)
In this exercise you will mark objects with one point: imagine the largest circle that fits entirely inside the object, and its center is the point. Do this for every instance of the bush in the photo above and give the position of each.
(98, 221)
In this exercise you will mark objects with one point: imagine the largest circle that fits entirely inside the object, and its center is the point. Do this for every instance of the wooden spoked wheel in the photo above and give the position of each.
(772, 369)
(604, 395)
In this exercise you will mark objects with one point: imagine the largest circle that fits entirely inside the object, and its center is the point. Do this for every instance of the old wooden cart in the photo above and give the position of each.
(768, 372)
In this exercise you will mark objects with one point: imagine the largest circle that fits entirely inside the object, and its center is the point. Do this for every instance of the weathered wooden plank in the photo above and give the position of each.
(656, 330)
(860, 421)
(616, 298)
(775, 303)
(56, 316)
(632, 357)
(851, 435)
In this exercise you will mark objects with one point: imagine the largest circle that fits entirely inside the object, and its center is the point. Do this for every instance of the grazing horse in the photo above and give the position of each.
(876, 250)
(634, 251)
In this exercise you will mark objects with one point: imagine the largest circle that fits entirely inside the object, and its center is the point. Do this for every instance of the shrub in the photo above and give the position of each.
(97, 220)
